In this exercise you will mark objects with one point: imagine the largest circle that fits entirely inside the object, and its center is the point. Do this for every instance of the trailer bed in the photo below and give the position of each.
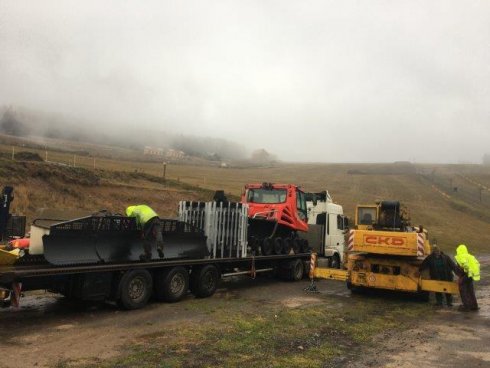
(10, 274)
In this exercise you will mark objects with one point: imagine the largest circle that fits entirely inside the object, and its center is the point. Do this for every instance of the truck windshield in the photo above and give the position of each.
(266, 195)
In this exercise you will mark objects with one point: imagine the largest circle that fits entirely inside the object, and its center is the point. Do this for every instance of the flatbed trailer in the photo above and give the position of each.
(97, 258)
(132, 284)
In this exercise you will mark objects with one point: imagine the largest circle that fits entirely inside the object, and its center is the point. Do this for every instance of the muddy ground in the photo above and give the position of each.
(49, 331)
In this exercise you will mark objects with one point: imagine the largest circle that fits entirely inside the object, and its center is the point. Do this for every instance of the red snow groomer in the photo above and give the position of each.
(277, 212)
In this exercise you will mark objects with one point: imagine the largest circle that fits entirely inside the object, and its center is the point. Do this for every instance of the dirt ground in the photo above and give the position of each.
(50, 331)
(449, 339)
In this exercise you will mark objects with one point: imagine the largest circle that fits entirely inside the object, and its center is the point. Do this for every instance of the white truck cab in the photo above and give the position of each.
(327, 227)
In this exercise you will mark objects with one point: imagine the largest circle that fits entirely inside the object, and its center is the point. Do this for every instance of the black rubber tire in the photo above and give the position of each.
(135, 288)
(296, 270)
(305, 246)
(278, 246)
(287, 246)
(297, 246)
(292, 270)
(172, 284)
(266, 247)
(335, 261)
(204, 281)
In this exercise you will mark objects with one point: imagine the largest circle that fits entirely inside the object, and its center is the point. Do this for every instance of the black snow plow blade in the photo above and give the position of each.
(116, 239)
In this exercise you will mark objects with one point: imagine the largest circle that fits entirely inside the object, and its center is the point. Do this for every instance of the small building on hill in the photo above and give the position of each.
(153, 151)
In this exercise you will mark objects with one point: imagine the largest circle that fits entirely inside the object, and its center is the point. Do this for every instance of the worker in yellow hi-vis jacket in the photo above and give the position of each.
(150, 223)
(470, 268)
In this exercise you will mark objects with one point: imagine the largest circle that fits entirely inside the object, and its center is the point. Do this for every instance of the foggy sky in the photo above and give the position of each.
(330, 81)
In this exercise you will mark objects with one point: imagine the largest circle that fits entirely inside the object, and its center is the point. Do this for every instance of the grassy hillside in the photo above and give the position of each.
(41, 185)
(451, 201)
(451, 217)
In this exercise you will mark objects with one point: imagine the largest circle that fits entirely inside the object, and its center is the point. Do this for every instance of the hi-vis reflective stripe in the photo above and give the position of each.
(350, 244)
(420, 244)
(15, 295)
(312, 265)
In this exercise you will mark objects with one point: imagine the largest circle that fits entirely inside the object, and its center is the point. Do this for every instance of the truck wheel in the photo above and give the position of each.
(278, 245)
(204, 281)
(266, 247)
(287, 246)
(305, 246)
(335, 261)
(297, 246)
(291, 270)
(296, 270)
(135, 289)
(171, 285)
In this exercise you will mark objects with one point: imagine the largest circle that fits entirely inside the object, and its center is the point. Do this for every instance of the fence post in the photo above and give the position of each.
(13, 153)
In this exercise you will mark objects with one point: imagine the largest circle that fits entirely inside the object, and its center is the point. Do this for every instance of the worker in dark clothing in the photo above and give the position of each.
(149, 222)
(441, 267)
(469, 272)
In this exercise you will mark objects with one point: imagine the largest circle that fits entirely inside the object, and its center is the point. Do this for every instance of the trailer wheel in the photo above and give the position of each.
(266, 247)
(278, 245)
(297, 246)
(305, 246)
(135, 289)
(171, 285)
(204, 281)
(287, 246)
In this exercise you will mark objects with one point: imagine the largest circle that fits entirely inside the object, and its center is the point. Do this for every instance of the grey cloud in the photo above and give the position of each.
(310, 80)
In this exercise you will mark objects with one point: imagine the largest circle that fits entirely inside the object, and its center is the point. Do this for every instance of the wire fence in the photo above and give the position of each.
(461, 187)
(85, 161)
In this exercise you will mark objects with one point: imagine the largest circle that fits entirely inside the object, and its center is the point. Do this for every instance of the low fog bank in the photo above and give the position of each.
(22, 122)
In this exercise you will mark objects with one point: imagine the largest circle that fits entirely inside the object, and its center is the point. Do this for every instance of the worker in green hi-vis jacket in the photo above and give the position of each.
(149, 222)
